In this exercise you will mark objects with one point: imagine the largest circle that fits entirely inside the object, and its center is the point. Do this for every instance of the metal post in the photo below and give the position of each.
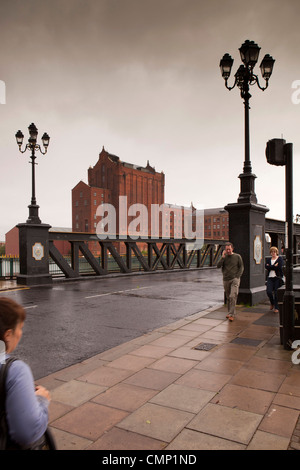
(33, 207)
(289, 295)
(33, 198)
(247, 178)
(247, 162)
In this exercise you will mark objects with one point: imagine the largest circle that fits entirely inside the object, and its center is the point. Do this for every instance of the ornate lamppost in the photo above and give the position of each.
(244, 78)
(32, 146)
(247, 217)
(33, 235)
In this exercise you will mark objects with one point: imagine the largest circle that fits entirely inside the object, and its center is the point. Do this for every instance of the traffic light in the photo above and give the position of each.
(275, 152)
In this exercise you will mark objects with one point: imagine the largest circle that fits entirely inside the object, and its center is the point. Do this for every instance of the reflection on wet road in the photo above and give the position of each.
(72, 321)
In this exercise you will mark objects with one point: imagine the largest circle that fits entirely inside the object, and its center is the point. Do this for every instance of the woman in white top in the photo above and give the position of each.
(275, 274)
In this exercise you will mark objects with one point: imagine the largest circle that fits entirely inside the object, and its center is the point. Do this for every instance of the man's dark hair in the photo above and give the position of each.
(229, 244)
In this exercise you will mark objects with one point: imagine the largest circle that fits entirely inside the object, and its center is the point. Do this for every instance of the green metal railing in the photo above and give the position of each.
(9, 267)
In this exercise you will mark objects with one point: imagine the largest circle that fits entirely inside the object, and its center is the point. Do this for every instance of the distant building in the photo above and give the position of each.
(109, 180)
(216, 224)
(12, 241)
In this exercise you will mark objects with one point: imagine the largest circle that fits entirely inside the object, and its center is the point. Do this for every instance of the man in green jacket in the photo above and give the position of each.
(232, 268)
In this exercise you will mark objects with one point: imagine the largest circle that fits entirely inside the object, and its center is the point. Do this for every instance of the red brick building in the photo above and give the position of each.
(112, 178)
(216, 224)
(109, 179)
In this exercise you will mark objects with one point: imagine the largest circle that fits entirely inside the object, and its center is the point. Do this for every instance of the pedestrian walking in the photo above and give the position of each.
(274, 265)
(232, 269)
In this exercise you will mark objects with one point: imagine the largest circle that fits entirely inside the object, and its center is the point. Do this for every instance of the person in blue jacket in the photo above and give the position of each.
(274, 266)
(26, 404)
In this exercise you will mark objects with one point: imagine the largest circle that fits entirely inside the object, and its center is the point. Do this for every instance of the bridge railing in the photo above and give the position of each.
(123, 255)
(9, 267)
(126, 255)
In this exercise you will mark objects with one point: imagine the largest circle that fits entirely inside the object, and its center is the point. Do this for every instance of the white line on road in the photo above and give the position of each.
(116, 292)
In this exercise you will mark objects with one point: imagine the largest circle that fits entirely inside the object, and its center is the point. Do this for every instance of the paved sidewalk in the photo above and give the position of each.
(199, 383)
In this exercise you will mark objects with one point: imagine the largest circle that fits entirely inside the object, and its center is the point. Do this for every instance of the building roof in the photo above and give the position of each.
(215, 210)
(116, 159)
(60, 229)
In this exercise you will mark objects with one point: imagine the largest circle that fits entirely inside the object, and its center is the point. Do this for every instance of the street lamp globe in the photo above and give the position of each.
(249, 52)
(266, 66)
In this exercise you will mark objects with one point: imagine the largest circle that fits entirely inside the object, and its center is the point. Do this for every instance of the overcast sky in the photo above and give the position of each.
(142, 79)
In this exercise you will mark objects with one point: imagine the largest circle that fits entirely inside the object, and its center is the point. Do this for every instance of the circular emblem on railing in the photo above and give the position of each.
(257, 249)
(38, 251)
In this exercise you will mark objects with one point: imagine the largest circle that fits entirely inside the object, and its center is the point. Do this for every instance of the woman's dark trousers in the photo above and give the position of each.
(272, 286)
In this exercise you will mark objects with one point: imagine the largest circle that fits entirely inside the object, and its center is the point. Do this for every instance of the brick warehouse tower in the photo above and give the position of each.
(109, 179)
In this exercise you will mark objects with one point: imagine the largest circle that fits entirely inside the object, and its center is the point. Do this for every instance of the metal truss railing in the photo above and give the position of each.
(130, 255)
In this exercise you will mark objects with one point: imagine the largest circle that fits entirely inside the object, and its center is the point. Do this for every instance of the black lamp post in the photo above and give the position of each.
(244, 78)
(246, 216)
(33, 147)
(33, 235)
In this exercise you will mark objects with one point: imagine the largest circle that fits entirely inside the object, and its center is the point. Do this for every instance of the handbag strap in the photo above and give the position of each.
(3, 374)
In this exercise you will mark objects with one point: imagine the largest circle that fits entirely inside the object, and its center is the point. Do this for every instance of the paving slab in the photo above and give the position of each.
(74, 392)
(121, 439)
(153, 379)
(183, 398)
(228, 423)
(193, 440)
(244, 398)
(156, 421)
(125, 396)
(267, 441)
(280, 420)
(89, 420)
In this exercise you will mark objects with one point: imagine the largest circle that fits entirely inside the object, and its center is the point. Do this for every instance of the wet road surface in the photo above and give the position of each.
(72, 321)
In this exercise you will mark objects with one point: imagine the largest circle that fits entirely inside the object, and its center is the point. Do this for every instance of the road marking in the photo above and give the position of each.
(13, 289)
(32, 306)
(116, 292)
